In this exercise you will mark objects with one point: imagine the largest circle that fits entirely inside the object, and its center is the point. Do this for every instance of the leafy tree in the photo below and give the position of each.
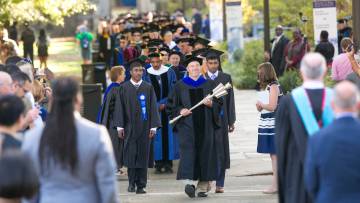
(53, 11)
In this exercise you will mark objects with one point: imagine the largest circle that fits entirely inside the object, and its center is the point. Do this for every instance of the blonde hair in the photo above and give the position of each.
(115, 72)
(266, 74)
(38, 91)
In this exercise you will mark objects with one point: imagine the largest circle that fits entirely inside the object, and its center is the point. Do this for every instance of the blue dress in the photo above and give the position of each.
(266, 128)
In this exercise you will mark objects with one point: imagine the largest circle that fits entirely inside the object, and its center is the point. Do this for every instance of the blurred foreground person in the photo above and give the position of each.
(73, 156)
(11, 122)
(18, 177)
(332, 159)
(301, 114)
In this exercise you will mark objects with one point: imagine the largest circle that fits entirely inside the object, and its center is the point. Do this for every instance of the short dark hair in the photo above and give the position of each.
(18, 176)
(324, 34)
(11, 108)
(135, 65)
(20, 77)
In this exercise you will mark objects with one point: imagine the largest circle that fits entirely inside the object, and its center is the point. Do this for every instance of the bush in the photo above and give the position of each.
(290, 80)
(244, 69)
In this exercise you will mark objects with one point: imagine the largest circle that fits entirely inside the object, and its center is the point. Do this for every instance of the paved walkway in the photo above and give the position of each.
(248, 176)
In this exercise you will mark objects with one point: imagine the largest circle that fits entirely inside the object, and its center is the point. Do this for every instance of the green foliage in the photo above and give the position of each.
(286, 13)
(244, 68)
(53, 11)
(290, 80)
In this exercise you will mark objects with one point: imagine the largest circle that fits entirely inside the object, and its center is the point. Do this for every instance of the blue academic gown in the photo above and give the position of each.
(162, 93)
(108, 89)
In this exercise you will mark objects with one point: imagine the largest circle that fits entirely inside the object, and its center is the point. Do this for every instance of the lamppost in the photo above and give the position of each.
(356, 22)
(266, 26)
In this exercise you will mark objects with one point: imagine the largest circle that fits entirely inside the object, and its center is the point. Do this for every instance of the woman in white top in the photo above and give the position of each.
(269, 95)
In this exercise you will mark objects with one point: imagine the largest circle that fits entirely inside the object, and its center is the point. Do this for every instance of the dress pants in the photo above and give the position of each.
(137, 177)
(29, 52)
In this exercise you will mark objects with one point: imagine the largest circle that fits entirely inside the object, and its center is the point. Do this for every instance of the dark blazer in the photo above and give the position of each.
(277, 58)
(333, 163)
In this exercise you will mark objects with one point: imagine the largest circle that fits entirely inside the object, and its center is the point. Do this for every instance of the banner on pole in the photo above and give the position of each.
(234, 26)
(216, 20)
(324, 12)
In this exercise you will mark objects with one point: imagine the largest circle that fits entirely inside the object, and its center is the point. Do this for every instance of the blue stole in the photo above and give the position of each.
(304, 108)
(194, 83)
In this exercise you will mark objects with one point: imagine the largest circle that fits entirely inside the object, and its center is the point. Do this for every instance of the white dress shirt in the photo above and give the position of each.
(213, 76)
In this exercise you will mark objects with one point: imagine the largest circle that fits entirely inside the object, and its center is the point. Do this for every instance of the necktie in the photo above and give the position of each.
(213, 77)
(137, 86)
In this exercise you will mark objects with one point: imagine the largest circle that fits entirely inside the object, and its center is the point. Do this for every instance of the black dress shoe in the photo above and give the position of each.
(190, 190)
(202, 194)
(168, 170)
(141, 191)
(158, 171)
(131, 188)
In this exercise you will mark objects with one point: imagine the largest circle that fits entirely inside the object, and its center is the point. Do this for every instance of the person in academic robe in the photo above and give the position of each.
(228, 115)
(200, 43)
(196, 130)
(137, 38)
(175, 57)
(121, 55)
(166, 147)
(164, 53)
(299, 115)
(107, 111)
(185, 45)
(136, 119)
(167, 36)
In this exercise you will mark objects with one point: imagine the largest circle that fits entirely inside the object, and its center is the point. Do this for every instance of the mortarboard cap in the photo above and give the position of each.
(200, 40)
(164, 49)
(192, 58)
(186, 39)
(213, 53)
(173, 52)
(154, 55)
(136, 29)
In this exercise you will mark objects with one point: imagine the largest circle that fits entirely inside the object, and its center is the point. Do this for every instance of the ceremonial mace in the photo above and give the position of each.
(219, 91)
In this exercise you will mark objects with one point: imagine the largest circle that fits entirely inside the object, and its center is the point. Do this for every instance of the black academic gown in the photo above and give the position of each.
(228, 117)
(196, 132)
(291, 144)
(136, 152)
(108, 120)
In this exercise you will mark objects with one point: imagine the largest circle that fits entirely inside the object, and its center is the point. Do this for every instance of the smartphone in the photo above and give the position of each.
(350, 47)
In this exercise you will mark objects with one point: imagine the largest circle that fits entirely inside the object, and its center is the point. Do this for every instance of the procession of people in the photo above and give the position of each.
(169, 104)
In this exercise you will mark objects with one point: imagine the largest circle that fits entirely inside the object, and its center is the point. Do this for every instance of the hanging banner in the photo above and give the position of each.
(216, 20)
(324, 12)
(234, 26)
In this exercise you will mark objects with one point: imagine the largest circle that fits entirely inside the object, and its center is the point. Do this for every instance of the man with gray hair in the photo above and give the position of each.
(300, 115)
(332, 161)
(6, 84)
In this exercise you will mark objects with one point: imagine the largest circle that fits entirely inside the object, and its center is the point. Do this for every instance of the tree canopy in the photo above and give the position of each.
(53, 11)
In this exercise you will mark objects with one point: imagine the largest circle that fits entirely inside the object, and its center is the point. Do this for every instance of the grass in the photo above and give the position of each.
(64, 58)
